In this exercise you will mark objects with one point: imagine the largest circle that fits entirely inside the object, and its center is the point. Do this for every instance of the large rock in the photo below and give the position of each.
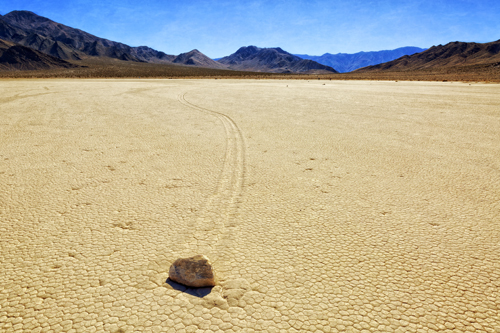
(193, 272)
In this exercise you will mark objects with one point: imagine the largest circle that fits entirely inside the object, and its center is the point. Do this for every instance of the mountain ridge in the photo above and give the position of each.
(56, 39)
(38, 41)
(443, 56)
(276, 60)
(347, 62)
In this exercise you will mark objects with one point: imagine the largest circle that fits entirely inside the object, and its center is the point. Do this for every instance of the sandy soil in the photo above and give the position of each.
(325, 206)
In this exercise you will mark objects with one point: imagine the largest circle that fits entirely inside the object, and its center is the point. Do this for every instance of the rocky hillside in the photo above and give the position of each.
(42, 34)
(17, 57)
(444, 56)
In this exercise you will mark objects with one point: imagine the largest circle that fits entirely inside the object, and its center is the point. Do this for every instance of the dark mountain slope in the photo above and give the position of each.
(9, 32)
(17, 57)
(276, 60)
(45, 35)
(444, 56)
(49, 46)
(344, 62)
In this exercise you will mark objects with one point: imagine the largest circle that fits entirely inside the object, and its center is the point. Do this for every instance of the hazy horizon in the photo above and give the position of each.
(314, 27)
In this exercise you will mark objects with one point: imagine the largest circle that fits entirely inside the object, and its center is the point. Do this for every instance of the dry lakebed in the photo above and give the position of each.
(324, 206)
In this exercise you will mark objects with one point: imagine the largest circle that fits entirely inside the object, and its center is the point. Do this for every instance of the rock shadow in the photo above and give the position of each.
(197, 292)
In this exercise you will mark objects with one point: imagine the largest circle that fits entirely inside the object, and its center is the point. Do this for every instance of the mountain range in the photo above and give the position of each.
(41, 34)
(453, 54)
(275, 60)
(29, 42)
(344, 62)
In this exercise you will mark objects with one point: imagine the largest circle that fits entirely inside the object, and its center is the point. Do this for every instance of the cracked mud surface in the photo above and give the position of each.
(325, 207)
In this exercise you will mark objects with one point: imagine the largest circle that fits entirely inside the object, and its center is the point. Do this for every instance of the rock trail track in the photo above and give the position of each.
(215, 218)
(327, 206)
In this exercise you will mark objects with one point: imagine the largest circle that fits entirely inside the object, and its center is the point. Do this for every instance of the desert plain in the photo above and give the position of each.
(325, 206)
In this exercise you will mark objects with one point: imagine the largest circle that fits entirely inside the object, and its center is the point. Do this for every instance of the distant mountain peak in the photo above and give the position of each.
(194, 51)
(251, 48)
(23, 15)
(196, 58)
(21, 12)
(246, 51)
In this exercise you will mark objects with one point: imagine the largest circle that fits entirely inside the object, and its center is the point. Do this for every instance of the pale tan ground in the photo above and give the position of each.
(328, 207)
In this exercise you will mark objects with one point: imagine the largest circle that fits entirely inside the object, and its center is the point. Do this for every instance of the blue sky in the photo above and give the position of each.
(219, 28)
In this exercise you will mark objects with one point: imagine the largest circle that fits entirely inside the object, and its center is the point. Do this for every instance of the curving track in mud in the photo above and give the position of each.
(216, 215)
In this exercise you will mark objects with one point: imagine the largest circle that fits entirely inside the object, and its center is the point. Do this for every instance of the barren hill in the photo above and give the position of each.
(276, 60)
(17, 57)
(444, 56)
(196, 58)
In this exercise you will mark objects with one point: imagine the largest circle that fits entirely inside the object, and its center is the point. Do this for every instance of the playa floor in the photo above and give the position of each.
(325, 206)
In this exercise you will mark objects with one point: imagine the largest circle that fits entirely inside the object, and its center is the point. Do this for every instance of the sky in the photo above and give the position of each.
(314, 27)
